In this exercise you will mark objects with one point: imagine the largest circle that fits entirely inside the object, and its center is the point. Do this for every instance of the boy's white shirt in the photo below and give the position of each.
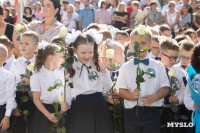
(8, 62)
(7, 91)
(127, 77)
(189, 103)
(19, 67)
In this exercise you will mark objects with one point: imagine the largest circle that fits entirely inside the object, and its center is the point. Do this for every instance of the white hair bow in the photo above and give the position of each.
(42, 45)
(71, 38)
(94, 34)
(110, 42)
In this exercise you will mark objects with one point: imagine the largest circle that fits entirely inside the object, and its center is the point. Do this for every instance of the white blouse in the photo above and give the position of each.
(83, 85)
(42, 80)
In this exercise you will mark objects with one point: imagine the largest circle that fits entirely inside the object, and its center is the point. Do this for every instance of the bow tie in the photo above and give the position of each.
(184, 67)
(158, 58)
(4, 64)
(144, 61)
(86, 67)
(115, 73)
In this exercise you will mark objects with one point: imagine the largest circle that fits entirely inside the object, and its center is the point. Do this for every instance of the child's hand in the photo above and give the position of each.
(103, 64)
(115, 94)
(5, 123)
(174, 99)
(136, 94)
(16, 112)
(52, 118)
(26, 81)
(148, 100)
(196, 107)
(115, 102)
(64, 107)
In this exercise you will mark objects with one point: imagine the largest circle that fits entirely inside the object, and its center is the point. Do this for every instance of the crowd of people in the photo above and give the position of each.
(109, 43)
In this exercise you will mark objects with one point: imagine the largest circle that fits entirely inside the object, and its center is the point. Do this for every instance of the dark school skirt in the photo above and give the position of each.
(2, 111)
(89, 114)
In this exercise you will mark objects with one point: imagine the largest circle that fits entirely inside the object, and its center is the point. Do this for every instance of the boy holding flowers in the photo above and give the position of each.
(147, 97)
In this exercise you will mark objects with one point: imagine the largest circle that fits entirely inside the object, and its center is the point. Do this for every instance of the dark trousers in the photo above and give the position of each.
(166, 117)
(146, 121)
(2, 112)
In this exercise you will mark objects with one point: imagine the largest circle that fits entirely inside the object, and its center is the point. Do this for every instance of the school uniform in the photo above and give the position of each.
(89, 112)
(17, 68)
(40, 82)
(165, 117)
(8, 62)
(7, 94)
(148, 118)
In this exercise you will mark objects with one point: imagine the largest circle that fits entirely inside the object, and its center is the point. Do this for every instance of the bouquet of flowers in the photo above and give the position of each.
(193, 80)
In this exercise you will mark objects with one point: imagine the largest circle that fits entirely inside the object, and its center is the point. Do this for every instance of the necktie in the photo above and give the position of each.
(144, 61)
(184, 67)
(82, 69)
(4, 64)
(166, 99)
(27, 62)
(158, 58)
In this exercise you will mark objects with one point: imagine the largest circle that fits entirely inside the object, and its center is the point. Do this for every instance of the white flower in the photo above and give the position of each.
(117, 90)
(19, 28)
(61, 99)
(94, 34)
(63, 32)
(172, 73)
(161, 38)
(141, 29)
(71, 38)
(139, 15)
(110, 53)
(42, 45)
(30, 67)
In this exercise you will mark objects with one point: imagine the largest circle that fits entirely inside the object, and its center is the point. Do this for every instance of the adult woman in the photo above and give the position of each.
(95, 4)
(7, 30)
(112, 9)
(171, 17)
(38, 11)
(70, 18)
(196, 18)
(102, 15)
(77, 6)
(28, 17)
(50, 26)
(185, 18)
(120, 16)
(7, 17)
(154, 17)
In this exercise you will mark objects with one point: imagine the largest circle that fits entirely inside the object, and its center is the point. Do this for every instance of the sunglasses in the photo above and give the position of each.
(171, 58)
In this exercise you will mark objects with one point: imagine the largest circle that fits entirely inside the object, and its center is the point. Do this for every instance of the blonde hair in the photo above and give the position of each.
(72, 6)
(119, 6)
(3, 51)
(106, 46)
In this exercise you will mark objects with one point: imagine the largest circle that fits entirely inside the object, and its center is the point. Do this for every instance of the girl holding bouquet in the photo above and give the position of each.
(47, 75)
(188, 100)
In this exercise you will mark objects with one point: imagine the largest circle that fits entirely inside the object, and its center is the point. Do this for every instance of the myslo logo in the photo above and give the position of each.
(179, 124)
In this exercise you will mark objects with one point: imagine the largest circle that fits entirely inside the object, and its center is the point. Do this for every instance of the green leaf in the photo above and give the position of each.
(135, 54)
(71, 85)
(51, 88)
(168, 105)
(25, 112)
(136, 46)
(174, 108)
(24, 98)
(179, 53)
(184, 117)
(145, 48)
(63, 130)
